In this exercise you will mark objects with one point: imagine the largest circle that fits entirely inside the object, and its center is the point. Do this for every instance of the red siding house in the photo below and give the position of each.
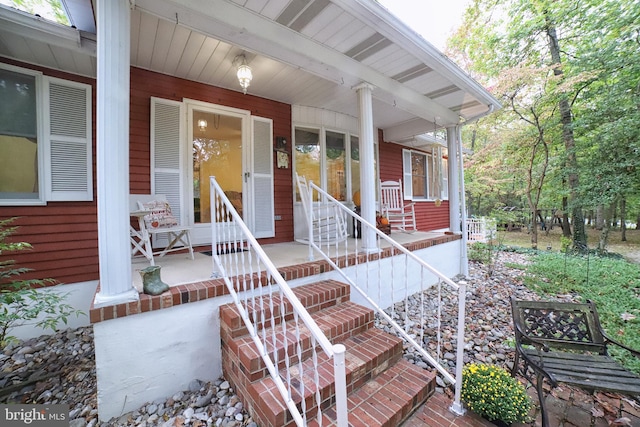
(144, 97)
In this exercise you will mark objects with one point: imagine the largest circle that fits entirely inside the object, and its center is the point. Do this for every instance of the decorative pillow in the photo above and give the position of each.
(159, 216)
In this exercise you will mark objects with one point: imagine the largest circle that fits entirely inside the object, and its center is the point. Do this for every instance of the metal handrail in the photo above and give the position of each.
(235, 239)
(398, 249)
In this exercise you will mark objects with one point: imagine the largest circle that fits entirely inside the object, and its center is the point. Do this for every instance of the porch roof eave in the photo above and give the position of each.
(254, 32)
(402, 109)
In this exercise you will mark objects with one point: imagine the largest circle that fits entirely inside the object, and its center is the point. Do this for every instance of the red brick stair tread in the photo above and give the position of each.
(367, 354)
(388, 399)
(314, 297)
(336, 322)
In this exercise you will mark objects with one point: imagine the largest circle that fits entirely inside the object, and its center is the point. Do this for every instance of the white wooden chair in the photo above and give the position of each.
(154, 216)
(328, 222)
(400, 213)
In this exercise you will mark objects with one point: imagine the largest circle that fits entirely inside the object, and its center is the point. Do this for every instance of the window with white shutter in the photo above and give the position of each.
(166, 139)
(68, 134)
(45, 138)
(263, 200)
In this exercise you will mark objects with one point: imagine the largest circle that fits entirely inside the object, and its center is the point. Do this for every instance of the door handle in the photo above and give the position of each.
(247, 175)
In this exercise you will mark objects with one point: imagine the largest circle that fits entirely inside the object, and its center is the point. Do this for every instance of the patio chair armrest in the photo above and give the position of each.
(608, 340)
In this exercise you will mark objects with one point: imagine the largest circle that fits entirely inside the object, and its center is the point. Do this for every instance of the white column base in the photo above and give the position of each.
(102, 300)
(457, 409)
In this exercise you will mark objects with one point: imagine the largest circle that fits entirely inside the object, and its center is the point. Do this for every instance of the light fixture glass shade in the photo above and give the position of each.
(244, 73)
(202, 124)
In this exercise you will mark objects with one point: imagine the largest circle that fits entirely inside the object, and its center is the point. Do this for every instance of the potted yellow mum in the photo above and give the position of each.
(492, 393)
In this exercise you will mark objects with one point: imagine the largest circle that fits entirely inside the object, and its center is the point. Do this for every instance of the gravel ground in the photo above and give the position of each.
(61, 367)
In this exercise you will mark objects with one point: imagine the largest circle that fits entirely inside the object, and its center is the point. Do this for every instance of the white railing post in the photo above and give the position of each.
(457, 407)
(340, 375)
(310, 218)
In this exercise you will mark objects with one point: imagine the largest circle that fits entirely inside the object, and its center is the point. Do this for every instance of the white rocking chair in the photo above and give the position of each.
(328, 222)
(155, 218)
(400, 214)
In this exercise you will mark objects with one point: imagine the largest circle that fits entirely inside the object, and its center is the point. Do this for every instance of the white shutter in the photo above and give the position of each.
(166, 136)
(67, 130)
(262, 177)
(445, 178)
(407, 180)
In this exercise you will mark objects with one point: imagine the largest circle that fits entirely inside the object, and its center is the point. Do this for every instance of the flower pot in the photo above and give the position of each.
(151, 282)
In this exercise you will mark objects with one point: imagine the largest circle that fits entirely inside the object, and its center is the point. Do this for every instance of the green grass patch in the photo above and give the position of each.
(515, 266)
(612, 283)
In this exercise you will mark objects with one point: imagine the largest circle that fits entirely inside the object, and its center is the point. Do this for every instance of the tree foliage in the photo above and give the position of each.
(567, 74)
(21, 303)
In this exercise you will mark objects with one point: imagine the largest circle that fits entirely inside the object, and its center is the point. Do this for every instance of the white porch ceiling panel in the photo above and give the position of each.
(302, 52)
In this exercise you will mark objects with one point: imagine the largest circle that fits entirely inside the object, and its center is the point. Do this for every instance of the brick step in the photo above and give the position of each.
(388, 399)
(383, 388)
(368, 354)
(314, 297)
(337, 322)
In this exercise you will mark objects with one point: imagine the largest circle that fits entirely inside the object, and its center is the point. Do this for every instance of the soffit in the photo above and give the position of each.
(302, 52)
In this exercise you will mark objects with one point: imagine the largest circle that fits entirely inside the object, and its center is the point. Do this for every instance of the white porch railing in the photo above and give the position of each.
(253, 281)
(389, 280)
(480, 230)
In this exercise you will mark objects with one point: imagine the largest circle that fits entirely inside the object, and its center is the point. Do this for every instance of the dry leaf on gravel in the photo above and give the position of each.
(609, 408)
(623, 421)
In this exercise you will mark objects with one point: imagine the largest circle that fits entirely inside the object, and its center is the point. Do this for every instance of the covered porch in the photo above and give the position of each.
(196, 316)
(180, 269)
(339, 76)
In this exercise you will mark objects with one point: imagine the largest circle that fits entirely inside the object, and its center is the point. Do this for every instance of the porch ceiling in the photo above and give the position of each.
(302, 52)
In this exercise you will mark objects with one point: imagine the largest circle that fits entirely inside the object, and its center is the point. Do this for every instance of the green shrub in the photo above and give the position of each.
(480, 252)
(492, 393)
(20, 302)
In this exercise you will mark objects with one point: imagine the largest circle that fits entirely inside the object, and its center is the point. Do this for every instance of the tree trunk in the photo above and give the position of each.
(566, 228)
(600, 217)
(534, 230)
(579, 233)
(623, 219)
(604, 233)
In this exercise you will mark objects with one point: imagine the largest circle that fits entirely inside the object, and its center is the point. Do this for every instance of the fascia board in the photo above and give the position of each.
(33, 27)
(376, 16)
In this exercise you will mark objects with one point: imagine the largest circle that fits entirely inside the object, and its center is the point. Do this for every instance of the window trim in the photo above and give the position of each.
(436, 152)
(322, 143)
(42, 148)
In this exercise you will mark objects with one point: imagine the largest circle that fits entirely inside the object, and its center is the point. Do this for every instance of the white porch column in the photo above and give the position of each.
(114, 249)
(367, 162)
(464, 261)
(454, 184)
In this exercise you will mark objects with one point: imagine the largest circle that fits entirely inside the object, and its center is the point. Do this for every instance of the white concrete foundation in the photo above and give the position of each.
(153, 355)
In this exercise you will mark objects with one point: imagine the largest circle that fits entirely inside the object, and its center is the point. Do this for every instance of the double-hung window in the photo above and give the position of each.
(331, 159)
(425, 174)
(45, 138)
